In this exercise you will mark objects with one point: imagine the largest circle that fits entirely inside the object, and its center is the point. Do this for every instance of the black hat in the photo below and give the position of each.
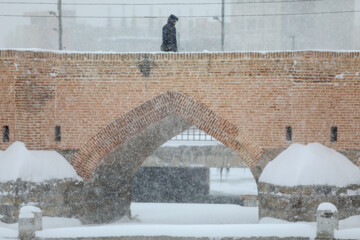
(173, 18)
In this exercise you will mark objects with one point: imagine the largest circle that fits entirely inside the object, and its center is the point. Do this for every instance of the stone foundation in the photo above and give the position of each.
(55, 198)
(300, 203)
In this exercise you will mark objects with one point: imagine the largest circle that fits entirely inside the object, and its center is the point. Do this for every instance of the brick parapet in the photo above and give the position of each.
(110, 56)
(256, 95)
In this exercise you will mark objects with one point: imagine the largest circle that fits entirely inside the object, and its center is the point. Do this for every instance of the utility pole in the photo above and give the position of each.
(59, 18)
(292, 41)
(222, 21)
(60, 24)
(222, 24)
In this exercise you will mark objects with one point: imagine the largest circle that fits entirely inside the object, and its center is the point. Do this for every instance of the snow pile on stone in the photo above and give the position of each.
(312, 164)
(17, 162)
(28, 211)
(326, 206)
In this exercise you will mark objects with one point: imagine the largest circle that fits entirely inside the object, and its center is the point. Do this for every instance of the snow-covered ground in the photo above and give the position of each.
(198, 220)
(232, 182)
(186, 214)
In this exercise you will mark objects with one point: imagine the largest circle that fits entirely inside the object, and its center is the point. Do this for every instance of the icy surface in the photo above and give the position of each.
(326, 206)
(350, 222)
(353, 233)
(172, 213)
(59, 222)
(230, 230)
(312, 164)
(232, 182)
(17, 162)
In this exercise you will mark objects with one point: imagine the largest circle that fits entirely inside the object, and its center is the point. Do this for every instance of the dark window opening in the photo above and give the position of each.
(6, 134)
(289, 133)
(58, 134)
(334, 131)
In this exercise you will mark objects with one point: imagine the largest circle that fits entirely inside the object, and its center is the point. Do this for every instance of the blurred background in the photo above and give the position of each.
(136, 25)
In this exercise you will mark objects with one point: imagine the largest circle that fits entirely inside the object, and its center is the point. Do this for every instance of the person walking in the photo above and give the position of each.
(169, 43)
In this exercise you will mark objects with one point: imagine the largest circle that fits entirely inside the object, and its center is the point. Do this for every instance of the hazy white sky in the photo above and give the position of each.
(336, 34)
(9, 24)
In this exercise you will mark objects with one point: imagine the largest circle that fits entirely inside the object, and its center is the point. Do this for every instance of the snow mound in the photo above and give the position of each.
(30, 209)
(312, 164)
(326, 206)
(17, 162)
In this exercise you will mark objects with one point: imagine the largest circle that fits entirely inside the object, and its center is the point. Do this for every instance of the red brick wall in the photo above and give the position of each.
(258, 93)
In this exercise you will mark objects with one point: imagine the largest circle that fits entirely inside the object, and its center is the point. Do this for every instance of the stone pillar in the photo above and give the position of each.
(30, 220)
(327, 221)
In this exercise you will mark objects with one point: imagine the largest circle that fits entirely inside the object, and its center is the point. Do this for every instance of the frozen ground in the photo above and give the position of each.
(199, 220)
(232, 182)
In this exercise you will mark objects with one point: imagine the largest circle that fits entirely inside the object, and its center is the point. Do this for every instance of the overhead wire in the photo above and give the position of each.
(159, 4)
(194, 3)
(199, 16)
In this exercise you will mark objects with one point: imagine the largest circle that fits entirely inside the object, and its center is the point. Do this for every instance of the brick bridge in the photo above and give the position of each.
(104, 109)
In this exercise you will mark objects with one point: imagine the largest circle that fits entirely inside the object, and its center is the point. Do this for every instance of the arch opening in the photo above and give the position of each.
(109, 160)
(192, 168)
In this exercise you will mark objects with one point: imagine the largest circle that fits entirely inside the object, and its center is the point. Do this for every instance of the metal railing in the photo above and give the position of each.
(193, 134)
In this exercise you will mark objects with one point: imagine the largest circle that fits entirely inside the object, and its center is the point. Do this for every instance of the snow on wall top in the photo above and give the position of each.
(312, 164)
(17, 162)
(101, 55)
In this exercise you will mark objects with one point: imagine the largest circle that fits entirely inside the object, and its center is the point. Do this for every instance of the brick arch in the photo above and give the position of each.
(154, 110)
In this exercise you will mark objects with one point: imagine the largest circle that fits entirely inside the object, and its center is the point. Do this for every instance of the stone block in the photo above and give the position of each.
(9, 213)
(262, 188)
(296, 203)
(58, 199)
(349, 201)
(271, 189)
(285, 191)
(283, 203)
(26, 228)
(77, 209)
(324, 191)
(30, 220)
(9, 199)
(66, 211)
(92, 208)
(327, 220)
(73, 196)
(307, 191)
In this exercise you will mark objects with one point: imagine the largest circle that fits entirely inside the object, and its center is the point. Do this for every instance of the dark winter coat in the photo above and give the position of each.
(169, 43)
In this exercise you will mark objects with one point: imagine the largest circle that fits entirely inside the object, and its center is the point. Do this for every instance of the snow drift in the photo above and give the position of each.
(17, 162)
(312, 164)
